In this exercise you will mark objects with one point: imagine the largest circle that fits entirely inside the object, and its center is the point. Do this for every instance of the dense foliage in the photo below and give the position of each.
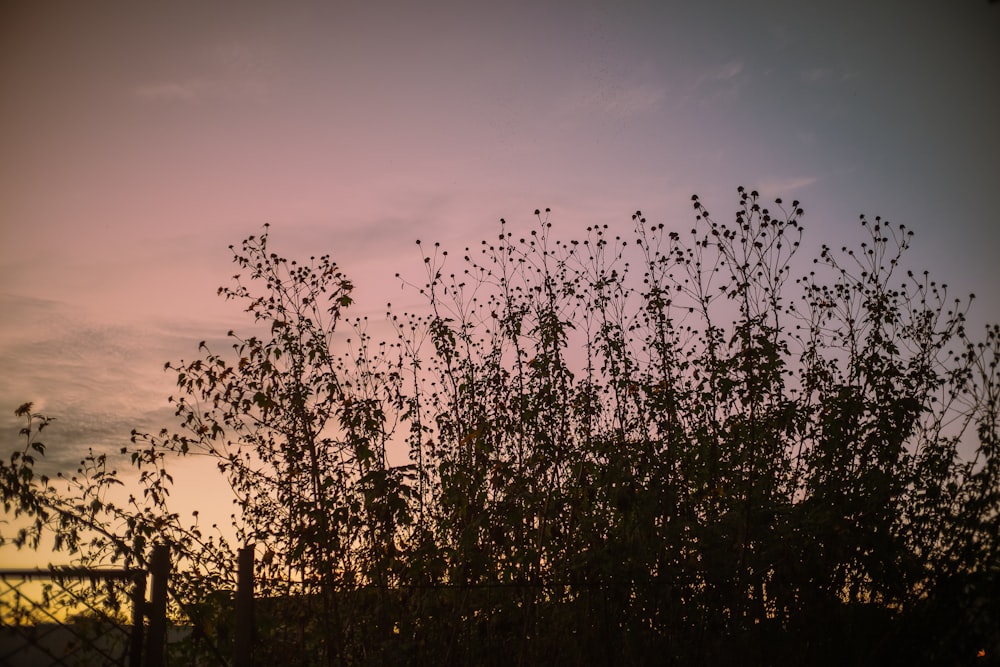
(675, 448)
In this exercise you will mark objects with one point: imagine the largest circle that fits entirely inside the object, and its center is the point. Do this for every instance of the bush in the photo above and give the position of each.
(660, 449)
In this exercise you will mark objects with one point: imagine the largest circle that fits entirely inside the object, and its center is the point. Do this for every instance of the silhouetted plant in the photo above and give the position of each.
(729, 450)
(686, 448)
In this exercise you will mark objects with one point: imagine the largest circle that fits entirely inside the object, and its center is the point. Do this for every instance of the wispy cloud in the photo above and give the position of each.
(728, 71)
(630, 101)
(98, 380)
(604, 101)
(780, 187)
(194, 90)
(172, 91)
(825, 74)
(814, 74)
(719, 83)
(230, 70)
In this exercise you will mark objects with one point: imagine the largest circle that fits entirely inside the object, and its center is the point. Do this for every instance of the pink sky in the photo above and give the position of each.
(138, 142)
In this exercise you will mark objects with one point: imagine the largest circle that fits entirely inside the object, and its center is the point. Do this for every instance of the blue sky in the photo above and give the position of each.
(140, 141)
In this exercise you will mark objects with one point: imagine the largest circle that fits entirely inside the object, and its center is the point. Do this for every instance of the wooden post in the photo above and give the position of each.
(138, 620)
(156, 638)
(243, 647)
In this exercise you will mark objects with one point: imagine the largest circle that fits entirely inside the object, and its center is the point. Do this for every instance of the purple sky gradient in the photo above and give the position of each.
(137, 142)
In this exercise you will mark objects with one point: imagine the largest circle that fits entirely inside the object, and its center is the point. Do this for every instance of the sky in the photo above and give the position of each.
(138, 141)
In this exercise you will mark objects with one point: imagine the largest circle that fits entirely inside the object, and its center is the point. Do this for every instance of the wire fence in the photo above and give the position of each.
(71, 617)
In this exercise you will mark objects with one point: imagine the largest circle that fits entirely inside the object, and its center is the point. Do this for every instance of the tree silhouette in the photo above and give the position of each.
(667, 448)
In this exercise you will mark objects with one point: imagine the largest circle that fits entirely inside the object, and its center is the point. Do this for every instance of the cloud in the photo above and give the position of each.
(783, 186)
(728, 71)
(632, 100)
(815, 74)
(718, 83)
(825, 74)
(194, 90)
(171, 91)
(99, 381)
(611, 101)
(233, 71)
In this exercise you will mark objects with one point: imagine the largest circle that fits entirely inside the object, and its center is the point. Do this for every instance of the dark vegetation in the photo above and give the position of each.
(683, 448)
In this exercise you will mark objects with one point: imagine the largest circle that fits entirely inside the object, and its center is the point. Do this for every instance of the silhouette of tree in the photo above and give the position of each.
(680, 448)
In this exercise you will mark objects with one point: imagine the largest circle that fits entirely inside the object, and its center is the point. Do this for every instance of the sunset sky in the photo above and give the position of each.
(139, 140)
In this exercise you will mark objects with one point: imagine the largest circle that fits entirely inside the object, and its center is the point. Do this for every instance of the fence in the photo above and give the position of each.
(74, 616)
(102, 617)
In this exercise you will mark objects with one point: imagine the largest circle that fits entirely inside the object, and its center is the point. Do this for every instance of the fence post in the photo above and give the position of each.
(159, 569)
(138, 616)
(243, 647)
